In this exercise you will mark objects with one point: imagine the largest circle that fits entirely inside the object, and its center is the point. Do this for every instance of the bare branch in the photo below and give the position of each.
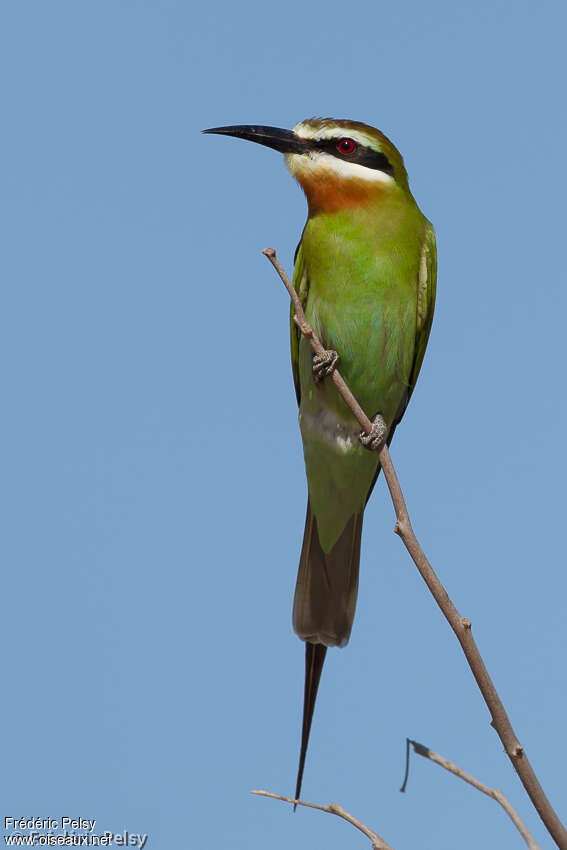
(460, 625)
(378, 843)
(495, 793)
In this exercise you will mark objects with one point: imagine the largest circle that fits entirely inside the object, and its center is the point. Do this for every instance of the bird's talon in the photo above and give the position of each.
(324, 364)
(375, 439)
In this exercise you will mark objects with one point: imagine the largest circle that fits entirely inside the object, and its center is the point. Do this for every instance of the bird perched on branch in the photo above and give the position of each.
(365, 270)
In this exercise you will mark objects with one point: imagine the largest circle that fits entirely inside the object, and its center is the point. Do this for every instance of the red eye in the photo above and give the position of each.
(346, 146)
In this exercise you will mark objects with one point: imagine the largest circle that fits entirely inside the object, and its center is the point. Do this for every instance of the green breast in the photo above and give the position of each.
(362, 267)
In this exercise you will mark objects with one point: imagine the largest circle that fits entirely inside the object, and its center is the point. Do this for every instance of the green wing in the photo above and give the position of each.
(301, 285)
(427, 286)
(426, 289)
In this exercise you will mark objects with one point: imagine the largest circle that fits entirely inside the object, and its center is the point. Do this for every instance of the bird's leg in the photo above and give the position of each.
(324, 364)
(379, 432)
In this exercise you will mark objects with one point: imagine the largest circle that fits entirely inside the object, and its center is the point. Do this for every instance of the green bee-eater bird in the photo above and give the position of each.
(365, 271)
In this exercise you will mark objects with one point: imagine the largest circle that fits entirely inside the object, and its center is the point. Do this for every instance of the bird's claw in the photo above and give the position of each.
(324, 364)
(379, 432)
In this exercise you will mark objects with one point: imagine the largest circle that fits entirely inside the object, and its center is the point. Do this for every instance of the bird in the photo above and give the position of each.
(365, 271)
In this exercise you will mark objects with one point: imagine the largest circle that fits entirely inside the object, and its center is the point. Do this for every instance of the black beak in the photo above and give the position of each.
(284, 141)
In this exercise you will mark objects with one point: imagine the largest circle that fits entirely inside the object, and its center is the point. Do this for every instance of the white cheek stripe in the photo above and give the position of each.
(320, 164)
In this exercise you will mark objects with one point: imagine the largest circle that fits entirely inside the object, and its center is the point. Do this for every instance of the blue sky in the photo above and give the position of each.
(153, 485)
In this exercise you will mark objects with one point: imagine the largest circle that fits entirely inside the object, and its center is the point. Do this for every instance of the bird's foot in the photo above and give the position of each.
(379, 432)
(324, 364)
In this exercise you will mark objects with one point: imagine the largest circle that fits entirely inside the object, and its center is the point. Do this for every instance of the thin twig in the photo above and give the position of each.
(495, 793)
(378, 843)
(460, 625)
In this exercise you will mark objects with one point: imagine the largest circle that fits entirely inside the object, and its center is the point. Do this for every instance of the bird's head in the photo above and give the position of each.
(338, 163)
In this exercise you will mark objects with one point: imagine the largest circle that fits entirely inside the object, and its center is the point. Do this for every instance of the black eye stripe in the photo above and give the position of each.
(361, 154)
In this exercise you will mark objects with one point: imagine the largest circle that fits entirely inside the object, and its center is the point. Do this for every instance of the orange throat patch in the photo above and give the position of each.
(330, 193)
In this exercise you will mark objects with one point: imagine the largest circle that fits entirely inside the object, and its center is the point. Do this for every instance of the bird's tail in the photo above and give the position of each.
(323, 607)
(314, 660)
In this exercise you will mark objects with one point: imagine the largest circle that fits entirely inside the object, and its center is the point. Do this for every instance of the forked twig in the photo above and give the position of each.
(495, 793)
(378, 843)
(460, 625)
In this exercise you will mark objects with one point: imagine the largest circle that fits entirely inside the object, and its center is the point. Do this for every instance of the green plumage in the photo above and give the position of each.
(358, 275)
(365, 272)
(366, 276)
